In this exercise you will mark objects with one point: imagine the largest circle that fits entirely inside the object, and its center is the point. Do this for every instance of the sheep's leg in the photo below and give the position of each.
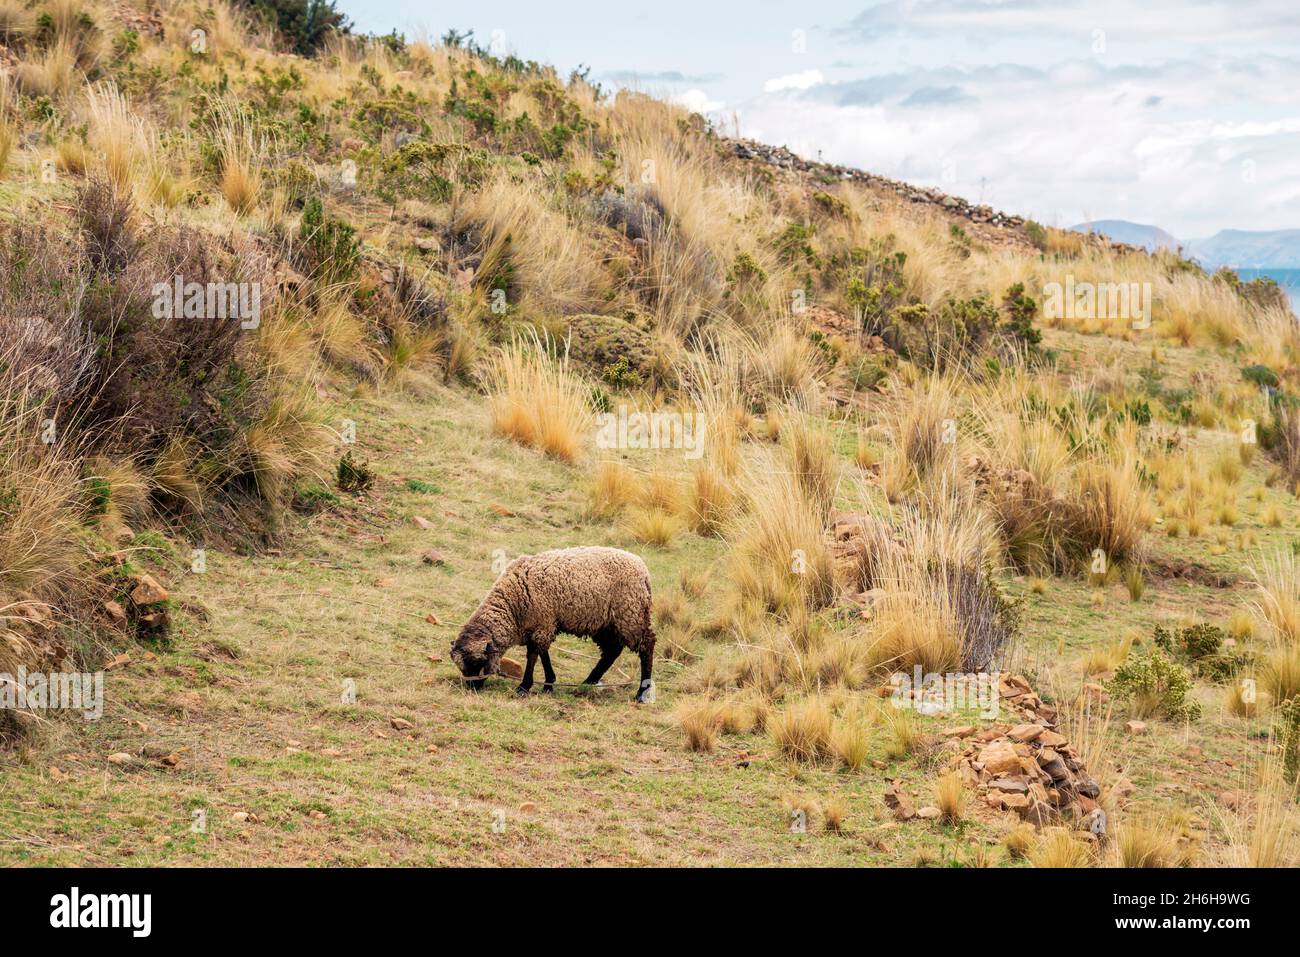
(645, 693)
(548, 683)
(526, 685)
(609, 652)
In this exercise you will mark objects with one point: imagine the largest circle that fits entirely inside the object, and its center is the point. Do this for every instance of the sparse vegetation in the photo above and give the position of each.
(463, 276)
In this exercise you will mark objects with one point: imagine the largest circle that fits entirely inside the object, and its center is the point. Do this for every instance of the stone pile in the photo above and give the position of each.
(1028, 766)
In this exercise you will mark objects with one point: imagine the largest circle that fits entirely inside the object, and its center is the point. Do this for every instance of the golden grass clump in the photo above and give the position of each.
(802, 730)
(613, 488)
(536, 401)
(711, 501)
(1277, 586)
(652, 526)
(779, 553)
(700, 720)
(950, 797)
(939, 606)
(850, 740)
(1262, 831)
(116, 135)
(241, 149)
(1058, 847)
(1152, 843)
(922, 424)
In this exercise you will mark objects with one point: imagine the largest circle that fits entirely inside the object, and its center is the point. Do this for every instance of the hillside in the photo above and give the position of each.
(298, 350)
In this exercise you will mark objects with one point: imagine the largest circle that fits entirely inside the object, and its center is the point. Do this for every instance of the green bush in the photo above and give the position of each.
(304, 24)
(330, 246)
(352, 475)
(1156, 682)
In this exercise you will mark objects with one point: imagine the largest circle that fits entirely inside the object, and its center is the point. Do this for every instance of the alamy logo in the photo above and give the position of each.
(935, 693)
(1102, 300)
(53, 691)
(103, 910)
(651, 430)
(179, 299)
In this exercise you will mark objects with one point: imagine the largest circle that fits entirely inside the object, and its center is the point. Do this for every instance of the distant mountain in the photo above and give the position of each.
(1273, 249)
(1248, 249)
(1150, 238)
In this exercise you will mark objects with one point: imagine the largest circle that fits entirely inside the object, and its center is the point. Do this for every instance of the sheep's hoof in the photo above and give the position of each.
(521, 691)
(548, 689)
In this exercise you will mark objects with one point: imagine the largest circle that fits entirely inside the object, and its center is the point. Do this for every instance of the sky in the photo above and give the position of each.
(1180, 113)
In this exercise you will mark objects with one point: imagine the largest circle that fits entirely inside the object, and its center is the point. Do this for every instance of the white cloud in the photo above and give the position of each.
(794, 81)
(1189, 147)
(697, 101)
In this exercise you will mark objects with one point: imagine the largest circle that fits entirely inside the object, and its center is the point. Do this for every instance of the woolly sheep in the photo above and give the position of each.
(594, 592)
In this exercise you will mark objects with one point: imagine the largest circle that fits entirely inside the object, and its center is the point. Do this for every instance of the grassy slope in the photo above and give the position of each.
(251, 699)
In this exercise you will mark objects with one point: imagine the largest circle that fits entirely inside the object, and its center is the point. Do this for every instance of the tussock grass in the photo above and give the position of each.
(922, 424)
(779, 552)
(117, 135)
(1277, 587)
(242, 150)
(850, 740)
(1263, 831)
(1058, 847)
(1146, 843)
(700, 721)
(613, 488)
(802, 730)
(950, 797)
(711, 501)
(536, 401)
(940, 607)
(653, 526)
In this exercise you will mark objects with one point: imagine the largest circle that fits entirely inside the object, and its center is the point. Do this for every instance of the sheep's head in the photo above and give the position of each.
(475, 654)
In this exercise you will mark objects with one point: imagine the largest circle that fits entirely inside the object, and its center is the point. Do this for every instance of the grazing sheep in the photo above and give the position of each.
(599, 593)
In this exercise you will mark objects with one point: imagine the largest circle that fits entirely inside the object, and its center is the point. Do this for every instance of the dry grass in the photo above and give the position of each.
(652, 526)
(1058, 847)
(242, 150)
(1020, 840)
(117, 136)
(850, 740)
(549, 259)
(53, 72)
(536, 401)
(1277, 585)
(802, 730)
(1263, 832)
(711, 501)
(613, 488)
(813, 460)
(1280, 671)
(950, 797)
(1110, 508)
(700, 720)
(40, 491)
(779, 552)
(923, 426)
(9, 128)
(939, 607)
(1139, 843)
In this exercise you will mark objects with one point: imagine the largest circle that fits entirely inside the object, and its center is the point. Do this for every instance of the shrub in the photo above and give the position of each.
(304, 25)
(1155, 683)
(330, 247)
(352, 475)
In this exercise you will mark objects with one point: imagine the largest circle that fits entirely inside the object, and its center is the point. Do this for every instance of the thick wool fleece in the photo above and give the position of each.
(590, 591)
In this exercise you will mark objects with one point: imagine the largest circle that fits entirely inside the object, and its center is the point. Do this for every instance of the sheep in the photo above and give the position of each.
(590, 591)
